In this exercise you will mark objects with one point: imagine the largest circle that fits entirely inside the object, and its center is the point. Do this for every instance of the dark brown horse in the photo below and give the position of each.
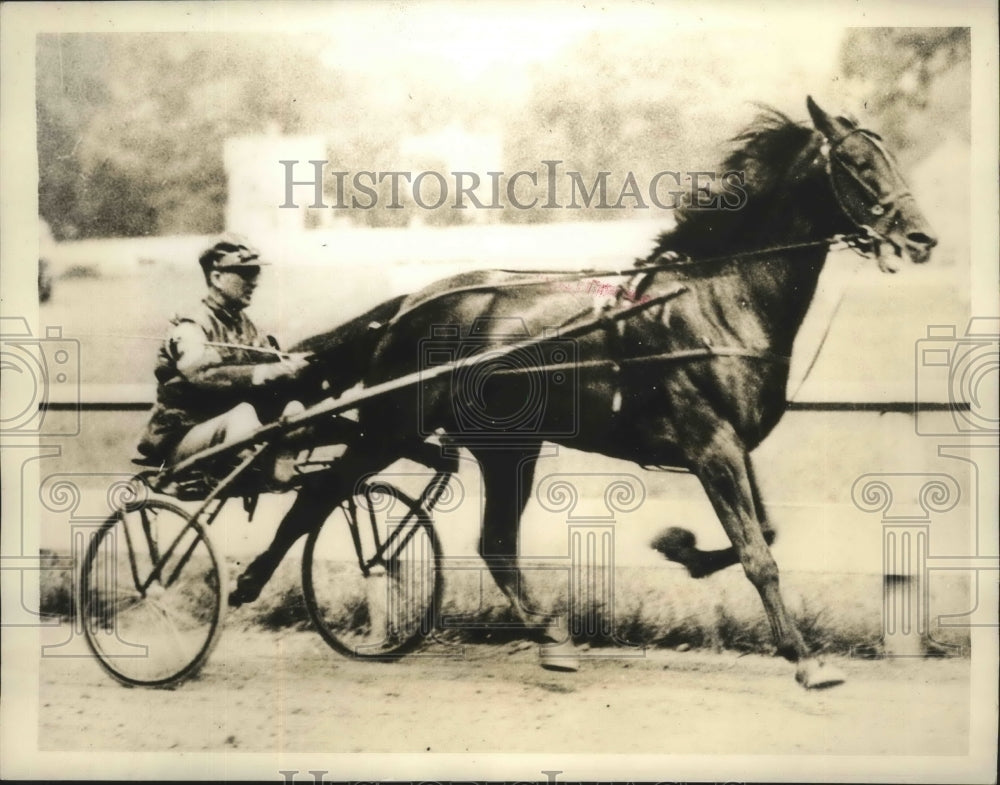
(730, 289)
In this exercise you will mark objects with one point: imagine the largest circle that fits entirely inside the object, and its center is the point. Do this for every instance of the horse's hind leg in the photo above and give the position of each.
(312, 506)
(722, 467)
(679, 545)
(507, 480)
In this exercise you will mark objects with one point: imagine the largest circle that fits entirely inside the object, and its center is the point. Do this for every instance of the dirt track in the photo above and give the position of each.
(287, 692)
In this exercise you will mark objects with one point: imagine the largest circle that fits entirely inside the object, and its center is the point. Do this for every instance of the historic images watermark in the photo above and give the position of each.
(955, 403)
(131, 610)
(502, 393)
(37, 371)
(960, 367)
(549, 776)
(544, 187)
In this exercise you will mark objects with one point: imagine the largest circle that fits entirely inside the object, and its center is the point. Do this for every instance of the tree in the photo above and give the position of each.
(914, 82)
(131, 127)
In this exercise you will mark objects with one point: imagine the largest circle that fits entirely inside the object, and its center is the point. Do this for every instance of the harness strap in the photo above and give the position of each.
(614, 332)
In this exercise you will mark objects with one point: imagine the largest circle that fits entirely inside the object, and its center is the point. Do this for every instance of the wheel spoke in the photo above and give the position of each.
(128, 604)
(167, 617)
(386, 611)
(161, 635)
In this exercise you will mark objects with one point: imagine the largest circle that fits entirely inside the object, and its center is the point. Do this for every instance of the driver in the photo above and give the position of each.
(217, 376)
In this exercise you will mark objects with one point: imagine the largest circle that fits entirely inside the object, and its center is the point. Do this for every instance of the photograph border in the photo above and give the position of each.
(21, 22)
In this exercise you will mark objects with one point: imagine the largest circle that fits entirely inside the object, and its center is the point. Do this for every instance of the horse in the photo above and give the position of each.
(694, 379)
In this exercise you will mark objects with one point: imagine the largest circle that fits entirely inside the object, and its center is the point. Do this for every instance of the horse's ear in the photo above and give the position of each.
(849, 119)
(823, 122)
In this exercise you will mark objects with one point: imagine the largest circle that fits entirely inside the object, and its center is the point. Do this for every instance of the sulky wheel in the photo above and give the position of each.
(151, 595)
(371, 574)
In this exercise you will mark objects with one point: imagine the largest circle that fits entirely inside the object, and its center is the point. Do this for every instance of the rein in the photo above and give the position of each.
(865, 242)
(858, 241)
(220, 344)
(862, 242)
(334, 406)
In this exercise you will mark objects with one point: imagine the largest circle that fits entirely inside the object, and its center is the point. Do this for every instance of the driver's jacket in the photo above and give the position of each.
(214, 379)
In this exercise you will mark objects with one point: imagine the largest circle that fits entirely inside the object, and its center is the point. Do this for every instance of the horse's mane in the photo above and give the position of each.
(765, 151)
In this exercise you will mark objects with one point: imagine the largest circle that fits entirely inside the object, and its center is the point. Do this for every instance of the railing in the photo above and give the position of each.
(140, 397)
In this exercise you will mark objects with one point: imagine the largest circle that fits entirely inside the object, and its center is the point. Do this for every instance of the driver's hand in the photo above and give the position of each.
(288, 367)
(295, 361)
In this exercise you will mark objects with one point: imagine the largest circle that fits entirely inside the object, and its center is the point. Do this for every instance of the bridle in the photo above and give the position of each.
(877, 217)
(872, 221)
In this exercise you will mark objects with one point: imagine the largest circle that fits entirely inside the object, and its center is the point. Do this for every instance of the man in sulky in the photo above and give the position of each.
(218, 377)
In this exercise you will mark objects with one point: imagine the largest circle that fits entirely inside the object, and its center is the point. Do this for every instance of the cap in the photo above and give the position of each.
(230, 251)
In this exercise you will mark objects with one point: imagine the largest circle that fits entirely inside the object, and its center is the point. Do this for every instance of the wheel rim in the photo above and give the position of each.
(385, 613)
(151, 630)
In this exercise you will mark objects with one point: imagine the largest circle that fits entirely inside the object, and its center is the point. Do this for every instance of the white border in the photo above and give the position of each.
(18, 210)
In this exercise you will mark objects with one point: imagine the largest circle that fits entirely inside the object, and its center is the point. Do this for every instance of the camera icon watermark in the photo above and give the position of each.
(571, 591)
(38, 372)
(505, 387)
(911, 505)
(389, 599)
(962, 372)
(83, 504)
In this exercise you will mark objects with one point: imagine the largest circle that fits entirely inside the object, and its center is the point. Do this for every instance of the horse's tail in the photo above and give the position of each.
(343, 354)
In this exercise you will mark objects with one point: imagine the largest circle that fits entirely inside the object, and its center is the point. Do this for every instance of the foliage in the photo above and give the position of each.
(914, 82)
(131, 126)
(658, 607)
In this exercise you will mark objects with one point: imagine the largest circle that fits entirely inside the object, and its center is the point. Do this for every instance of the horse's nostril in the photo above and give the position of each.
(919, 238)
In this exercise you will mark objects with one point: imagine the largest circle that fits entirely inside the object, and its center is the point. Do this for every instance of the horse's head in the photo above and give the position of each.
(871, 191)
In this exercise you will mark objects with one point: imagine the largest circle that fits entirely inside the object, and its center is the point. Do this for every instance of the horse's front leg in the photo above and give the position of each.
(507, 483)
(722, 466)
(680, 545)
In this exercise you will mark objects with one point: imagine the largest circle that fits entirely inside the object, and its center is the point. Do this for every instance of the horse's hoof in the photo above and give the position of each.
(560, 656)
(674, 543)
(678, 545)
(814, 674)
(247, 590)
